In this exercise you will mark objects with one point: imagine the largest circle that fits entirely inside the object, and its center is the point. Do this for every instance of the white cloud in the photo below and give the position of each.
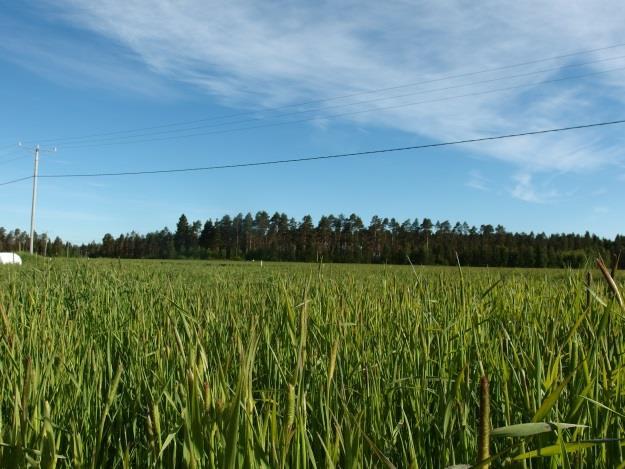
(79, 63)
(524, 189)
(261, 54)
(477, 181)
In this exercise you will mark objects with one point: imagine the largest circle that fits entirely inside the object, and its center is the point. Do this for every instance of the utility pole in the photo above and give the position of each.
(34, 201)
(32, 208)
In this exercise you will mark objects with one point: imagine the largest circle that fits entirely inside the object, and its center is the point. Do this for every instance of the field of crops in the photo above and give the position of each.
(147, 363)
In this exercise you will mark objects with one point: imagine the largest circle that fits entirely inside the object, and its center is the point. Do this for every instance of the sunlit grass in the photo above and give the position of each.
(109, 363)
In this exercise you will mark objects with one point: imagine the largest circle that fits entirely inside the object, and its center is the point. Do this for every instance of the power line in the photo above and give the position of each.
(344, 96)
(6, 183)
(350, 113)
(3, 162)
(15, 147)
(325, 157)
(123, 139)
(7, 149)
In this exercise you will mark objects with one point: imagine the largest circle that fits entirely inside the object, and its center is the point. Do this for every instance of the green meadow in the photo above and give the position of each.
(228, 365)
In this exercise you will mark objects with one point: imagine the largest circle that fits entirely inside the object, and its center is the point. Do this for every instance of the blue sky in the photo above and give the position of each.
(71, 68)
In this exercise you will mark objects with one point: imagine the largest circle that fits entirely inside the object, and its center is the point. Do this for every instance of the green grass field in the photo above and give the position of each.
(147, 363)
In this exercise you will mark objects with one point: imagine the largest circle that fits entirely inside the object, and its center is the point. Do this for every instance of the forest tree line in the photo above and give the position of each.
(340, 238)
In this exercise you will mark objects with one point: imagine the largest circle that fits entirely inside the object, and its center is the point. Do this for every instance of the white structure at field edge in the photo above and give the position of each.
(10, 258)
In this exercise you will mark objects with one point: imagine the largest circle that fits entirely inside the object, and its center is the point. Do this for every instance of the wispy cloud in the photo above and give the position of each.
(525, 189)
(261, 54)
(477, 181)
(72, 62)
